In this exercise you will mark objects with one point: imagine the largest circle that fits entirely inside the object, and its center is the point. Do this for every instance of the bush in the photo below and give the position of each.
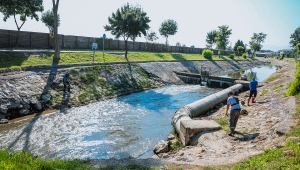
(244, 55)
(232, 56)
(294, 86)
(207, 54)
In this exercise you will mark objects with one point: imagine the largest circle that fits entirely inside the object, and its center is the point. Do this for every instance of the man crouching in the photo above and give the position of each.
(234, 112)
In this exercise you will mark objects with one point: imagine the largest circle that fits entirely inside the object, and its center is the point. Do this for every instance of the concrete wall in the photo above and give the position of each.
(44, 41)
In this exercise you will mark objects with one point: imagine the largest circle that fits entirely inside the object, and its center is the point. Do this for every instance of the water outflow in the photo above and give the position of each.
(126, 126)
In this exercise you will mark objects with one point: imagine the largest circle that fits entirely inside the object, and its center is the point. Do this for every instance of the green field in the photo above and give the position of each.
(17, 60)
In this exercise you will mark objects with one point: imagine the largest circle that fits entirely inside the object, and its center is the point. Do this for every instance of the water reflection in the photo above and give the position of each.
(259, 73)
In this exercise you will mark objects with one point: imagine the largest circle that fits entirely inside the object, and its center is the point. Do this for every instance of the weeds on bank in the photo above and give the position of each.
(272, 78)
(223, 121)
(277, 88)
(264, 92)
(176, 146)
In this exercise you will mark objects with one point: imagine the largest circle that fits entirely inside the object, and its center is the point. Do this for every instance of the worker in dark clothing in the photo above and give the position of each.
(253, 90)
(235, 110)
(66, 82)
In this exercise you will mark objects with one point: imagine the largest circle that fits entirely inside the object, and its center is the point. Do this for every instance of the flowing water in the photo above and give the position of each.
(128, 126)
(260, 73)
(122, 127)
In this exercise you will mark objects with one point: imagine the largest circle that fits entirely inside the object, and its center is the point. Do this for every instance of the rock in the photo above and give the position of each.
(24, 112)
(171, 137)
(171, 141)
(284, 127)
(38, 106)
(46, 97)
(2, 116)
(3, 121)
(26, 106)
(161, 147)
(3, 109)
(33, 101)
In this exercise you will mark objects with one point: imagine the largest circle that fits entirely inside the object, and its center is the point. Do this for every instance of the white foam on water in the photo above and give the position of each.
(122, 127)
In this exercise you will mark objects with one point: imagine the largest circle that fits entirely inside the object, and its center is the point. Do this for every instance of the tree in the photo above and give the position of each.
(168, 28)
(24, 8)
(48, 20)
(128, 22)
(222, 37)
(240, 49)
(151, 36)
(295, 37)
(248, 51)
(239, 43)
(298, 48)
(178, 44)
(211, 38)
(256, 40)
(55, 29)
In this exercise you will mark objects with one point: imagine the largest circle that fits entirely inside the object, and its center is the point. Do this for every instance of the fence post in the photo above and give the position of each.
(49, 41)
(9, 38)
(30, 40)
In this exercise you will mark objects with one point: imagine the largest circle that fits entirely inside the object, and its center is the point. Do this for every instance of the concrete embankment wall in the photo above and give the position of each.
(165, 70)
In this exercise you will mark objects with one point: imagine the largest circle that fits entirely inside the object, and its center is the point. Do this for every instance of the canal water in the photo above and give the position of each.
(259, 73)
(128, 126)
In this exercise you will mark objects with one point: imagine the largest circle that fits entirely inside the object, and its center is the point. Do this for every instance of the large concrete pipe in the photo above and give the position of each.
(198, 108)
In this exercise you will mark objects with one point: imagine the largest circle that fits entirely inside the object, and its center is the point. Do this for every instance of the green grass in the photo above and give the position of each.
(24, 160)
(272, 78)
(223, 121)
(18, 60)
(277, 88)
(176, 146)
(264, 92)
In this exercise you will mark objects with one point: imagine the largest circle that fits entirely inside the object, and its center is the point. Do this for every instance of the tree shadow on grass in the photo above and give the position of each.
(11, 59)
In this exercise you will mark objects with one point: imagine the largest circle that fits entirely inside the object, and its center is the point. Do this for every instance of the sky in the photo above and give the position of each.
(276, 18)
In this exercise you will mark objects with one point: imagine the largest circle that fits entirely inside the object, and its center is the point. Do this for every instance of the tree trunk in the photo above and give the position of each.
(55, 30)
(17, 38)
(126, 52)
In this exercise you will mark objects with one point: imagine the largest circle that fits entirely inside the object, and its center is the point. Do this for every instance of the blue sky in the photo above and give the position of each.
(277, 18)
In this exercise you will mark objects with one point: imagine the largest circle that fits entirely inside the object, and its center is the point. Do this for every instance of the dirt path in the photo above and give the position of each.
(265, 127)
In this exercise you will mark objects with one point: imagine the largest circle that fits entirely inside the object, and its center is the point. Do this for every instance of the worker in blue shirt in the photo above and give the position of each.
(66, 82)
(253, 90)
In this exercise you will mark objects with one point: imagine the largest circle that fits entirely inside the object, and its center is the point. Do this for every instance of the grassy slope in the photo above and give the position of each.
(17, 60)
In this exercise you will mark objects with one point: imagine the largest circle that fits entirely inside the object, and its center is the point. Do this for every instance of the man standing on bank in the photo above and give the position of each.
(253, 90)
(235, 110)
(66, 82)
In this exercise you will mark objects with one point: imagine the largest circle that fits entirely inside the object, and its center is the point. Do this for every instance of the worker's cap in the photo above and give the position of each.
(231, 93)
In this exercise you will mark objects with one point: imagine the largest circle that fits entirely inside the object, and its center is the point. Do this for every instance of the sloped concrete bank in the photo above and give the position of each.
(26, 92)
(165, 70)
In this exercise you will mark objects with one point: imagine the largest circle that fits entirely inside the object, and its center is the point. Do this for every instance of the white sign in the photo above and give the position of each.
(95, 46)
